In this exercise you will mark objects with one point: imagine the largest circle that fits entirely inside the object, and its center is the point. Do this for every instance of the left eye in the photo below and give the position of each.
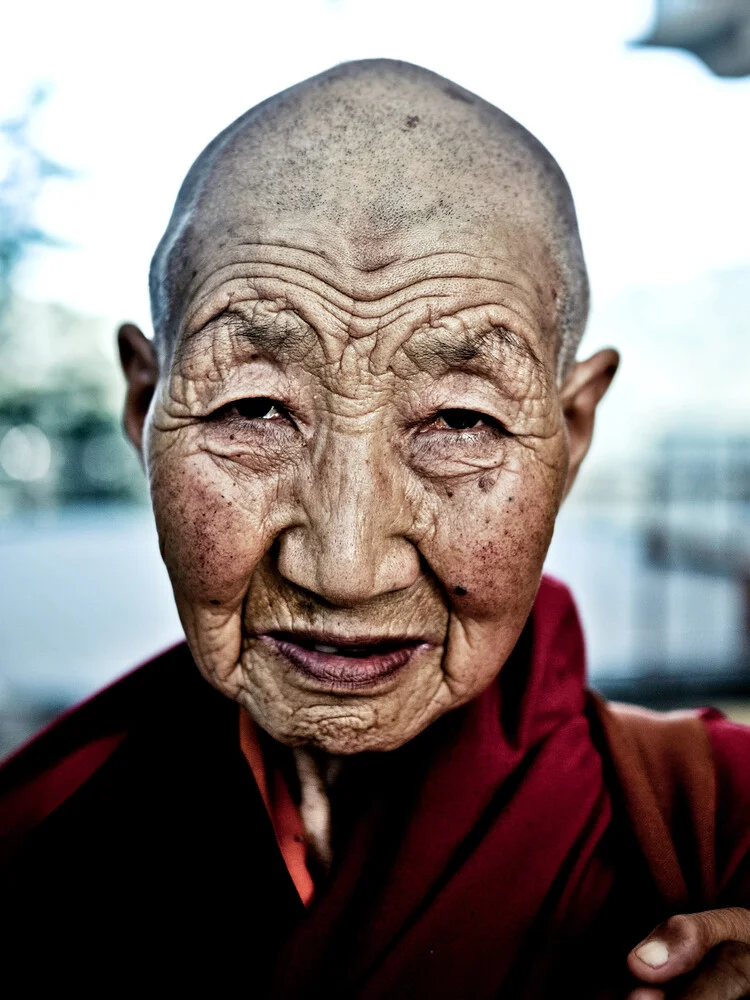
(257, 408)
(463, 420)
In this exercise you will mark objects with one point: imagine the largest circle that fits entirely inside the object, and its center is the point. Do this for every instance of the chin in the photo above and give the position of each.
(338, 730)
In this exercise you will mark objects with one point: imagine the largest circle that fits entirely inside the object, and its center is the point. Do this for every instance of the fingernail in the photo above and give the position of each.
(653, 953)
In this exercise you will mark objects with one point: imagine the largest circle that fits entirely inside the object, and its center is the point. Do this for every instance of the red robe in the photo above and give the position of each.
(487, 857)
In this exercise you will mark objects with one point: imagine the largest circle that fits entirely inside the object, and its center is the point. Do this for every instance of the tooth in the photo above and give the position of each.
(320, 648)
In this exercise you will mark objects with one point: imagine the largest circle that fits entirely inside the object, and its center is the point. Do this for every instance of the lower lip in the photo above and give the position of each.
(344, 671)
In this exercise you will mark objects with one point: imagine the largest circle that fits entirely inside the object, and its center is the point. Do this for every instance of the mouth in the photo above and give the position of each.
(344, 662)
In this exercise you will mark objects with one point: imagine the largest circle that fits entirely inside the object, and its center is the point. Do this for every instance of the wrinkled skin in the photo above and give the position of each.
(353, 506)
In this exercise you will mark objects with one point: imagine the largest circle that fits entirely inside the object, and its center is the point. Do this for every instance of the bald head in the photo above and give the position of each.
(363, 160)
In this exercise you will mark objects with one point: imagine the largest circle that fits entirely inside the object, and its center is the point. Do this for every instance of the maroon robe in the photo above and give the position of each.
(488, 857)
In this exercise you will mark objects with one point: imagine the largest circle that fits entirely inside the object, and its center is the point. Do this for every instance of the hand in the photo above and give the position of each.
(708, 954)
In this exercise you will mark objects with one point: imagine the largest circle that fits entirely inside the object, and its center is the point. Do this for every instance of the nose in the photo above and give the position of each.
(352, 546)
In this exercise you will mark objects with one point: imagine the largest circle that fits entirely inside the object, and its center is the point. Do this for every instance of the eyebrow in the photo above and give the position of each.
(460, 350)
(269, 338)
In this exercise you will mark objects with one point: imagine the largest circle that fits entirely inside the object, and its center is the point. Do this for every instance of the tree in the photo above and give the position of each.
(60, 440)
(22, 175)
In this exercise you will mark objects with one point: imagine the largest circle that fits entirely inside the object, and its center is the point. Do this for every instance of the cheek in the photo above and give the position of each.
(212, 535)
(493, 537)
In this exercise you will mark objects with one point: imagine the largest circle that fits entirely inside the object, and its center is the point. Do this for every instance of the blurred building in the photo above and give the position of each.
(717, 31)
(60, 436)
(655, 538)
(701, 521)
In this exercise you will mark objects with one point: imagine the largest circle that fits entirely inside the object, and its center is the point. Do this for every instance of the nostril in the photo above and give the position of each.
(274, 549)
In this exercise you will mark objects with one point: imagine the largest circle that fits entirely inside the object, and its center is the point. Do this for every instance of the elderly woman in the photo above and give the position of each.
(359, 416)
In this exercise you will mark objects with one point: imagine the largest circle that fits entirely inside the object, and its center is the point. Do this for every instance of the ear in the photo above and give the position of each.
(583, 388)
(141, 368)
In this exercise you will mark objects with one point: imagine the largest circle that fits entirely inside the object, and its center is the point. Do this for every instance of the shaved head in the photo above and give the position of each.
(360, 156)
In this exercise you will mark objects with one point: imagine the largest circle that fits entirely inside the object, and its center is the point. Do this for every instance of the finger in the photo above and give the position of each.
(725, 975)
(682, 942)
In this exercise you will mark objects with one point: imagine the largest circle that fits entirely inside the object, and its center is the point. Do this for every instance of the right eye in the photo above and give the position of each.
(255, 432)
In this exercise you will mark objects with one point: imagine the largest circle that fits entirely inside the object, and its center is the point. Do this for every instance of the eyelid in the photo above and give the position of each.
(224, 408)
(489, 418)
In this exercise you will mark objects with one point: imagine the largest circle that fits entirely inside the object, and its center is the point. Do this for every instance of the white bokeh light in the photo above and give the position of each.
(25, 453)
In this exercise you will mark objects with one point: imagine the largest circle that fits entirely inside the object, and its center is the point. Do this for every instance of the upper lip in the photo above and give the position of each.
(329, 639)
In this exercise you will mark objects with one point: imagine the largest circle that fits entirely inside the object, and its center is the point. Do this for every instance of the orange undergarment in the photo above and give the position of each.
(282, 810)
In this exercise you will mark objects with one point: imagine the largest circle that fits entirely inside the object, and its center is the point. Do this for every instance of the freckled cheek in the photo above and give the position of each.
(211, 534)
(490, 550)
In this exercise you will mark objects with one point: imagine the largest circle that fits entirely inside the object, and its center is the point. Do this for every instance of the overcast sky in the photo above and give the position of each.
(655, 147)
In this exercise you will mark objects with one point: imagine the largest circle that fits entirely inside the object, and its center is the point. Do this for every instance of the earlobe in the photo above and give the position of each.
(581, 393)
(140, 366)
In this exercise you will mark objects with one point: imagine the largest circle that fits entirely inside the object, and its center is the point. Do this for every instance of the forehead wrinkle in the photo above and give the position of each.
(232, 284)
(357, 318)
(331, 274)
(334, 317)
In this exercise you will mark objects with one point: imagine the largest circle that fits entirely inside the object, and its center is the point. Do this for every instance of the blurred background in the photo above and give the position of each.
(645, 104)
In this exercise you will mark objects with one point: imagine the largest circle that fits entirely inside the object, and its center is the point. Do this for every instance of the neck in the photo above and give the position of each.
(317, 773)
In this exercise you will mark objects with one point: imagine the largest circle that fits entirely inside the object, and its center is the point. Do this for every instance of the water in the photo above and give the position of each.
(84, 597)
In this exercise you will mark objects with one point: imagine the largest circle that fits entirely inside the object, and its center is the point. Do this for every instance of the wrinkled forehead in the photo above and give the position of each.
(359, 255)
(365, 258)
(356, 281)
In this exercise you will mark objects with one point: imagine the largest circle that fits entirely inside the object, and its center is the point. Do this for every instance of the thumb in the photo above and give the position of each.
(682, 942)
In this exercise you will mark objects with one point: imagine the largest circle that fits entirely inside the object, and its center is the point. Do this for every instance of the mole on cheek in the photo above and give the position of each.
(461, 591)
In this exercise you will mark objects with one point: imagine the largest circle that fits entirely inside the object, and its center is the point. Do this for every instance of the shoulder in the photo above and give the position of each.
(730, 744)
(684, 779)
(106, 812)
(554, 595)
(556, 623)
(45, 772)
